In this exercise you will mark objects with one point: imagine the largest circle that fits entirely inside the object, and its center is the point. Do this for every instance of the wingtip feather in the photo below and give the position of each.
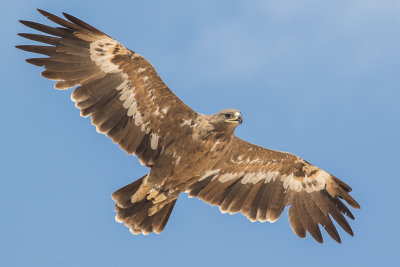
(35, 61)
(24, 22)
(43, 12)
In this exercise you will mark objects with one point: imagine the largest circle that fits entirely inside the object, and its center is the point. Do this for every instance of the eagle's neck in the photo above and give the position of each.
(206, 129)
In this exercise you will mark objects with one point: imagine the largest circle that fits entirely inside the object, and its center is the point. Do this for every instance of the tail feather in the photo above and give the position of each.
(136, 215)
(123, 195)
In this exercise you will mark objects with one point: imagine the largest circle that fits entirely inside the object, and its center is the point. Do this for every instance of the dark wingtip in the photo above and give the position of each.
(25, 35)
(81, 23)
(41, 11)
(36, 61)
(65, 14)
(45, 13)
(24, 22)
(70, 17)
(337, 239)
(349, 231)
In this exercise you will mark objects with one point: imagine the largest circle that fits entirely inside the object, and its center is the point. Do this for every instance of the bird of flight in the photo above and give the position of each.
(185, 151)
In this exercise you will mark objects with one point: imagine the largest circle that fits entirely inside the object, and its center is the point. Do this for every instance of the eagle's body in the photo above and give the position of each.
(186, 151)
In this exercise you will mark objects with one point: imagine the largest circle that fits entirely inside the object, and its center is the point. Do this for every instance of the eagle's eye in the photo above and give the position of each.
(227, 116)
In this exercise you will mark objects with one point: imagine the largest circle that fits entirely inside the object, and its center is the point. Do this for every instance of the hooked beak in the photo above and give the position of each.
(237, 119)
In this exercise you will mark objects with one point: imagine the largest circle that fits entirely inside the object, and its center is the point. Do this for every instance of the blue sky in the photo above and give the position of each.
(318, 79)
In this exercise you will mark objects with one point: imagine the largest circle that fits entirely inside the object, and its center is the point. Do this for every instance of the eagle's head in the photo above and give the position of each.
(226, 120)
(230, 116)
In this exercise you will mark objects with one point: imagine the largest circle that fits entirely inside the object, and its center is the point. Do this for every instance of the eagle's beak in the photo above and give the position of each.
(238, 118)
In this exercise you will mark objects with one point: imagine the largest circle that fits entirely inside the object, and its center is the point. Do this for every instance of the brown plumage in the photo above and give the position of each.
(186, 151)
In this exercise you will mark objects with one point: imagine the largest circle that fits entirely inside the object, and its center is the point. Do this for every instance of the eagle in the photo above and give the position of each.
(185, 151)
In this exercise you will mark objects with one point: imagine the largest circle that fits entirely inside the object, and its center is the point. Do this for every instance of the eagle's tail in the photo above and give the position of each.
(136, 215)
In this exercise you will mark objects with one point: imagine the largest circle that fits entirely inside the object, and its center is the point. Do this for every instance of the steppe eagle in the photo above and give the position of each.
(185, 151)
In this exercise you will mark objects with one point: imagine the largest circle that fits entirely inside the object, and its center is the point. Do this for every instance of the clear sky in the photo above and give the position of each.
(319, 79)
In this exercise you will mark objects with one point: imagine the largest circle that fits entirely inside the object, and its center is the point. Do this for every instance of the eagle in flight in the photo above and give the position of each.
(185, 151)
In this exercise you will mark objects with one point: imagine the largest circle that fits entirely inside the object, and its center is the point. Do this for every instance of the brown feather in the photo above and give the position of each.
(75, 43)
(81, 23)
(144, 151)
(233, 193)
(204, 191)
(276, 203)
(320, 218)
(37, 61)
(57, 66)
(62, 57)
(162, 217)
(248, 208)
(39, 49)
(132, 139)
(120, 129)
(61, 21)
(44, 28)
(295, 221)
(220, 196)
(238, 200)
(95, 94)
(343, 194)
(40, 38)
(80, 74)
(107, 111)
(123, 195)
(112, 121)
(308, 221)
(95, 90)
(264, 202)
(195, 188)
(328, 206)
(343, 209)
(62, 85)
(101, 102)
(76, 51)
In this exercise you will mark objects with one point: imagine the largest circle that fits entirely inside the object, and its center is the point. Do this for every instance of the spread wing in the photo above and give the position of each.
(120, 89)
(260, 182)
